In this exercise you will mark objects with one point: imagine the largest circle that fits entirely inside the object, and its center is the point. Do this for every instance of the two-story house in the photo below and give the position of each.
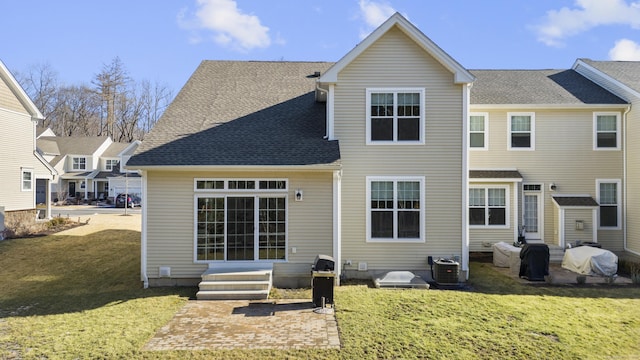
(21, 167)
(394, 154)
(268, 164)
(90, 167)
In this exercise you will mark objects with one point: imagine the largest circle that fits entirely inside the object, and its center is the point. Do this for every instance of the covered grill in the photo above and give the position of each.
(323, 279)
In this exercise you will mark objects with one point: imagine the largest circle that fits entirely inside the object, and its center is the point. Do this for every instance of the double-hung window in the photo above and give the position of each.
(79, 163)
(608, 194)
(606, 131)
(478, 131)
(27, 180)
(395, 209)
(521, 131)
(395, 116)
(111, 164)
(488, 206)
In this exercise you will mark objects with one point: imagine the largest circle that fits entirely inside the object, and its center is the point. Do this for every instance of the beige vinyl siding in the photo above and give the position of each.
(19, 141)
(170, 219)
(395, 61)
(571, 234)
(563, 155)
(8, 99)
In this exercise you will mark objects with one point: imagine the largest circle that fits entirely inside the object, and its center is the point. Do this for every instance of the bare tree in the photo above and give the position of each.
(40, 81)
(111, 83)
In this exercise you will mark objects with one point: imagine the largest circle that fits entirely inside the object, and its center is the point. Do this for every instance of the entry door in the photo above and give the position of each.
(72, 189)
(532, 215)
(240, 228)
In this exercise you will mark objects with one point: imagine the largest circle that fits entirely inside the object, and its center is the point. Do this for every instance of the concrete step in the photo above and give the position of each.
(234, 285)
(236, 275)
(233, 295)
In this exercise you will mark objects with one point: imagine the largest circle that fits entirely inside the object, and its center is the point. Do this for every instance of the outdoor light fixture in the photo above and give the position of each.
(299, 195)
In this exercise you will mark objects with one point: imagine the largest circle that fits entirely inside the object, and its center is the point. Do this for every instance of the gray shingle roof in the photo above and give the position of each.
(115, 149)
(562, 87)
(242, 113)
(575, 200)
(494, 174)
(627, 72)
(74, 145)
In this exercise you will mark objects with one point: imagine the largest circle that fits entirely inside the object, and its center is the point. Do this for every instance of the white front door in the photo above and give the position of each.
(532, 214)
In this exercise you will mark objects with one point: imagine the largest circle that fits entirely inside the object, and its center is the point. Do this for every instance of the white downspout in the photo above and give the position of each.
(624, 176)
(337, 223)
(466, 91)
(143, 234)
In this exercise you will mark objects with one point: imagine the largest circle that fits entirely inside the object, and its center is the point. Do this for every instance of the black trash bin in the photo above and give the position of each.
(534, 262)
(323, 280)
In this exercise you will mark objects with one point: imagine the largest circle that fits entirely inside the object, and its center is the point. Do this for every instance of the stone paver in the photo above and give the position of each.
(233, 324)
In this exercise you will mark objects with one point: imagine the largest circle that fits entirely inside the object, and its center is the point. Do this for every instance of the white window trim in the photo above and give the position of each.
(533, 131)
(394, 240)
(507, 200)
(486, 131)
(22, 172)
(226, 185)
(423, 121)
(233, 193)
(73, 158)
(618, 183)
(108, 166)
(595, 131)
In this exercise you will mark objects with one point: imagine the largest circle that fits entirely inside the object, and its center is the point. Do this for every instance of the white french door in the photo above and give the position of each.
(532, 208)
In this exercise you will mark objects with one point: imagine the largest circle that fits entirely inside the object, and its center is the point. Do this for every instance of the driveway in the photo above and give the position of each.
(98, 222)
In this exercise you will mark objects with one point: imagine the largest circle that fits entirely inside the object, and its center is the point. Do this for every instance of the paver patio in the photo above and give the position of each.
(234, 324)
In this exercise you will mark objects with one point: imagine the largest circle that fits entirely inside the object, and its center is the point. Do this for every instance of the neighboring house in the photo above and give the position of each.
(623, 79)
(394, 154)
(545, 149)
(22, 169)
(91, 168)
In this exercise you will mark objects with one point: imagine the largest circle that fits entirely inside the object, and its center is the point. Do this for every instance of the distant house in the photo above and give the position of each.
(394, 154)
(91, 168)
(22, 168)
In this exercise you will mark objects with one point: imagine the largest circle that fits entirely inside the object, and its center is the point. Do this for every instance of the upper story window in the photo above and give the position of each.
(395, 116)
(27, 179)
(79, 163)
(478, 131)
(608, 194)
(521, 131)
(606, 131)
(110, 165)
(395, 209)
(488, 206)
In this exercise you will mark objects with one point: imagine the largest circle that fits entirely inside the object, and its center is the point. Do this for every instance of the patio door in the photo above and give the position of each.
(532, 208)
(240, 228)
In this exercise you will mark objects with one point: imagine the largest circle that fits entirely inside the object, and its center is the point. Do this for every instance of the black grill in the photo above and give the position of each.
(323, 280)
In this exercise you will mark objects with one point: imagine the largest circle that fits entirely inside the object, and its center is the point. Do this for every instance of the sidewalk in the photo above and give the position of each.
(99, 222)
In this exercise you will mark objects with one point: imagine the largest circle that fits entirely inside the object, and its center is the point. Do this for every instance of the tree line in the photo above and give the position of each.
(113, 104)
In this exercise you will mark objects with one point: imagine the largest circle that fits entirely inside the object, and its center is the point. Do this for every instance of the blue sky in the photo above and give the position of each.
(165, 40)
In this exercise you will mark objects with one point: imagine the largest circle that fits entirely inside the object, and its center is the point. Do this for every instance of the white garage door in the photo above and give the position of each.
(121, 185)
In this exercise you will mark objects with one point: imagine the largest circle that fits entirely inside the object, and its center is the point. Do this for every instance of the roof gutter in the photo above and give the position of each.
(547, 106)
(239, 168)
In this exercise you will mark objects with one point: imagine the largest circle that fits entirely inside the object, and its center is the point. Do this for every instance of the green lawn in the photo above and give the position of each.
(80, 297)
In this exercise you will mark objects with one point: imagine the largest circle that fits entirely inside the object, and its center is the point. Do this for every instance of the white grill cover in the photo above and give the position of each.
(587, 260)
(502, 252)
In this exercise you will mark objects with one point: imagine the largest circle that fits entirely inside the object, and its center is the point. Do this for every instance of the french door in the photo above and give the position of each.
(240, 228)
(532, 208)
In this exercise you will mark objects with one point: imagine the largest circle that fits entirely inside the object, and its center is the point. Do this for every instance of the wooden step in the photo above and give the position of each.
(232, 283)
(235, 285)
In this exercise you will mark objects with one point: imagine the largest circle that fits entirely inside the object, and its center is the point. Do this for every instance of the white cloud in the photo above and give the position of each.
(374, 14)
(230, 25)
(625, 50)
(586, 14)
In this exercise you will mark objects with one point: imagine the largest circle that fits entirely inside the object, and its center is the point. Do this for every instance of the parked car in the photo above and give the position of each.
(131, 200)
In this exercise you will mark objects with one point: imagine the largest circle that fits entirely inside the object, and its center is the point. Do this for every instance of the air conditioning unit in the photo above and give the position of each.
(446, 272)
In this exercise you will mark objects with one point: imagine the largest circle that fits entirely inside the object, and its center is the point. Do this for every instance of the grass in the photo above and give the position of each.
(68, 297)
